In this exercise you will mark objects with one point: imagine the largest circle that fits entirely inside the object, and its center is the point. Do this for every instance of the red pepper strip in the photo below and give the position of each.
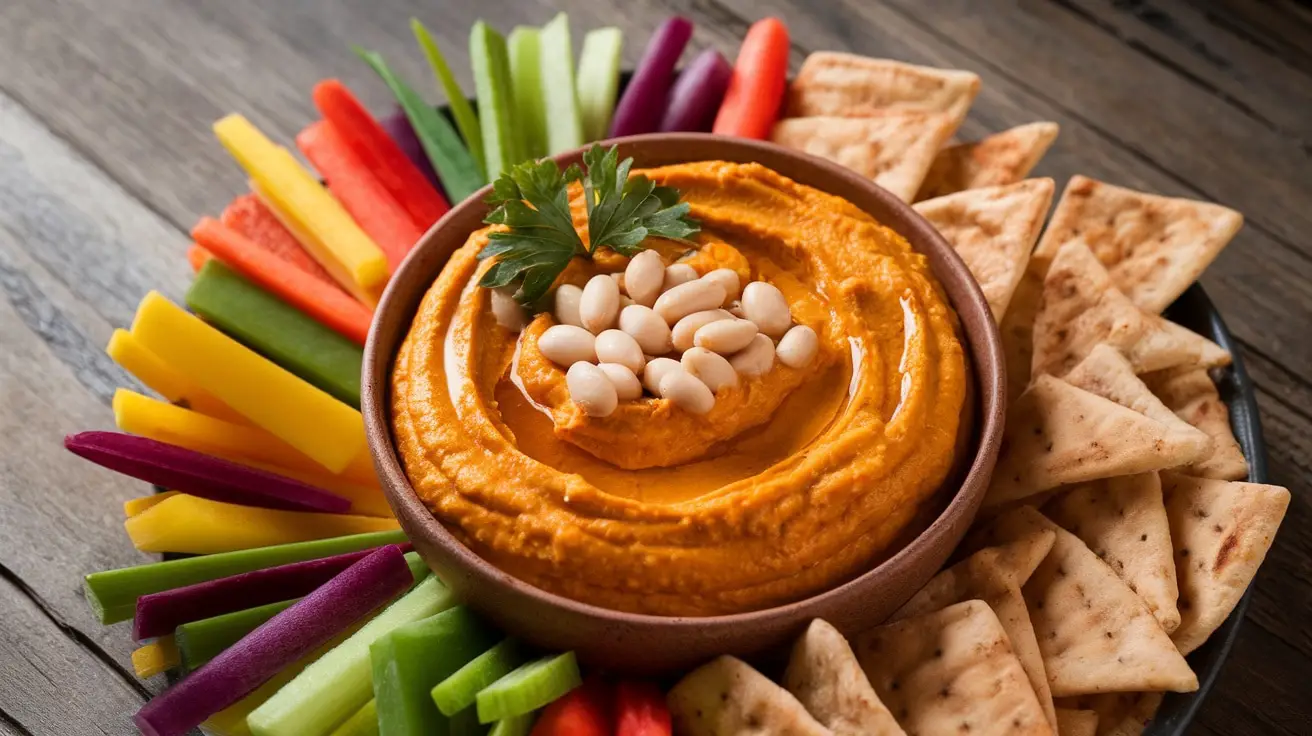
(756, 89)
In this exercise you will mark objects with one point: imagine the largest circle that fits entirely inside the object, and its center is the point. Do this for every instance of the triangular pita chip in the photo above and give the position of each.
(993, 230)
(1118, 714)
(1124, 522)
(951, 671)
(1154, 247)
(727, 696)
(833, 83)
(1190, 393)
(1057, 434)
(1002, 158)
(893, 149)
(1221, 531)
(826, 678)
(1095, 633)
(1072, 722)
(1210, 355)
(1017, 326)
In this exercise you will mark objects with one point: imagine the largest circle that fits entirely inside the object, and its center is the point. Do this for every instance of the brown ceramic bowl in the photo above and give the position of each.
(655, 644)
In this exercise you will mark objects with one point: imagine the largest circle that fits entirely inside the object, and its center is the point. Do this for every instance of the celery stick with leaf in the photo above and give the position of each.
(461, 110)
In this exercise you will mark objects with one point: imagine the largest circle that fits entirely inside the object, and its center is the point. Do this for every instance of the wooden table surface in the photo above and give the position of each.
(106, 160)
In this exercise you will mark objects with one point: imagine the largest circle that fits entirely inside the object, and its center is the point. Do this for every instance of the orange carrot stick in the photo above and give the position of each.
(251, 218)
(756, 88)
(325, 303)
(359, 191)
(197, 256)
(379, 153)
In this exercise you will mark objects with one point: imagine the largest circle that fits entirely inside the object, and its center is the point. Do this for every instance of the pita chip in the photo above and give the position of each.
(1154, 247)
(993, 230)
(1017, 326)
(1096, 635)
(826, 678)
(728, 696)
(952, 671)
(894, 149)
(1072, 722)
(1221, 531)
(832, 83)
(1057, 434)
(1002, 158)
(1118, 714)
(1190, 393)
(1123, 520)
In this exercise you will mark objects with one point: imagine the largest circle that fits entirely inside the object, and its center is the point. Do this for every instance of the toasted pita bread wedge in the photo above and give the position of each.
(951, 671)
(832, 83)
(1154, 247)
(826, 678)
(1017, 326)
(1000, 159)
(1072, 722)
(1190, 393)
(894, 149)
(1118, 714)
(727, 696)
(993, 230)
(1221, 531)
(1123, 520)
(1096, 635)
(1057, 434)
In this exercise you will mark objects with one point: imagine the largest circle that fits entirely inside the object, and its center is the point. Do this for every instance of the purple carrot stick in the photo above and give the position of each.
(275, 644)
(640, 109)
(697, 94)
(403, 134)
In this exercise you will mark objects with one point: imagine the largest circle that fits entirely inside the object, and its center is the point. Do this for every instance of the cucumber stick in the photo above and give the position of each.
(490, 60)
(529, 687)
(458, 691)
(363, 723)
(556, 71)
(338, 684)
(461, 110)
(598, 83)
(410, 660)
(526, 86)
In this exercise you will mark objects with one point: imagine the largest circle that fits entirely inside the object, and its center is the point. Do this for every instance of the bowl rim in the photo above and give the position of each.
(989, 377)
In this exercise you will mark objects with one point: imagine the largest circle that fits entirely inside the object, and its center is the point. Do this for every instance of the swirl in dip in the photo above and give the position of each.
(796, 480)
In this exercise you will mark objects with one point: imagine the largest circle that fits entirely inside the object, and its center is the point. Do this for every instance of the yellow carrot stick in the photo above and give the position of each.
(134, 506)
(155, 658)
(272, 398)
(299, 195)
(193, 525)
(161, 378)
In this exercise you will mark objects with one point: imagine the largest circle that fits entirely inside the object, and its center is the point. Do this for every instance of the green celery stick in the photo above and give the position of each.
(418, 568)
(338, 684)
(461, 176)
(556, 70)
(528, 688)
(530, 115)
(200, 641)
(513, 726)
(409, 661)
(458, 691)
(277, 330)
(461, 110)
(113, 593)
(598, 82)
(363, 723)
(502, 147)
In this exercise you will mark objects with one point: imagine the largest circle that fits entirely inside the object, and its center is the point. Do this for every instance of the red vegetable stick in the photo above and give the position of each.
(197, 256)
(158, 614)
(379, 153)
(250, 217)
(275, 644)
(323, 302)
(359, 191)
(180, 469)
(756, 89)
(583, 711)
(640, 710)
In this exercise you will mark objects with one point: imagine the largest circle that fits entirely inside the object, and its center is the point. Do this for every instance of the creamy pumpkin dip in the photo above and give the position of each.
(795, 479)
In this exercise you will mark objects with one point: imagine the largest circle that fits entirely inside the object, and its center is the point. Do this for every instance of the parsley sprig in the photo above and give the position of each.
(532, 201)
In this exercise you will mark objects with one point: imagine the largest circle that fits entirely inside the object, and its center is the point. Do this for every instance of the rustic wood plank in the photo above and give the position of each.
(1280, 27)
(1262, 689)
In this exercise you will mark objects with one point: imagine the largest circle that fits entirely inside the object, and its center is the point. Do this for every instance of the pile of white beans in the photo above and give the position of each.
(614, 334)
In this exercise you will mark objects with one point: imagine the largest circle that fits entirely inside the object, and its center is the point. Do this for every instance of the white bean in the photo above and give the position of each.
(755, 359)
(566, 345)
(506, 310)
(685, 330)
(645, 326)
(736, 309)
(618, 278)
(686, 392)
(626, 384)
(614, 346)
(644, 277)
(713, 370)
(797, 348)
(568, 297)
(765, 305)
(728, 278)
(677, 273)
(625, 301)
(684, 299)
(591, 389)
(600, 303)
(656, 370)
(725, 336)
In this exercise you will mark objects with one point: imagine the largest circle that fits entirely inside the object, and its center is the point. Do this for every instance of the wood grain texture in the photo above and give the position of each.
(106, 158)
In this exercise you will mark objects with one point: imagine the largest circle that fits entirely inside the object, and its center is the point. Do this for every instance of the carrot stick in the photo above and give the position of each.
(379, 153)
(248, 215)
(325, 303)
(358, 189)
(197, 256)
(756, 89)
